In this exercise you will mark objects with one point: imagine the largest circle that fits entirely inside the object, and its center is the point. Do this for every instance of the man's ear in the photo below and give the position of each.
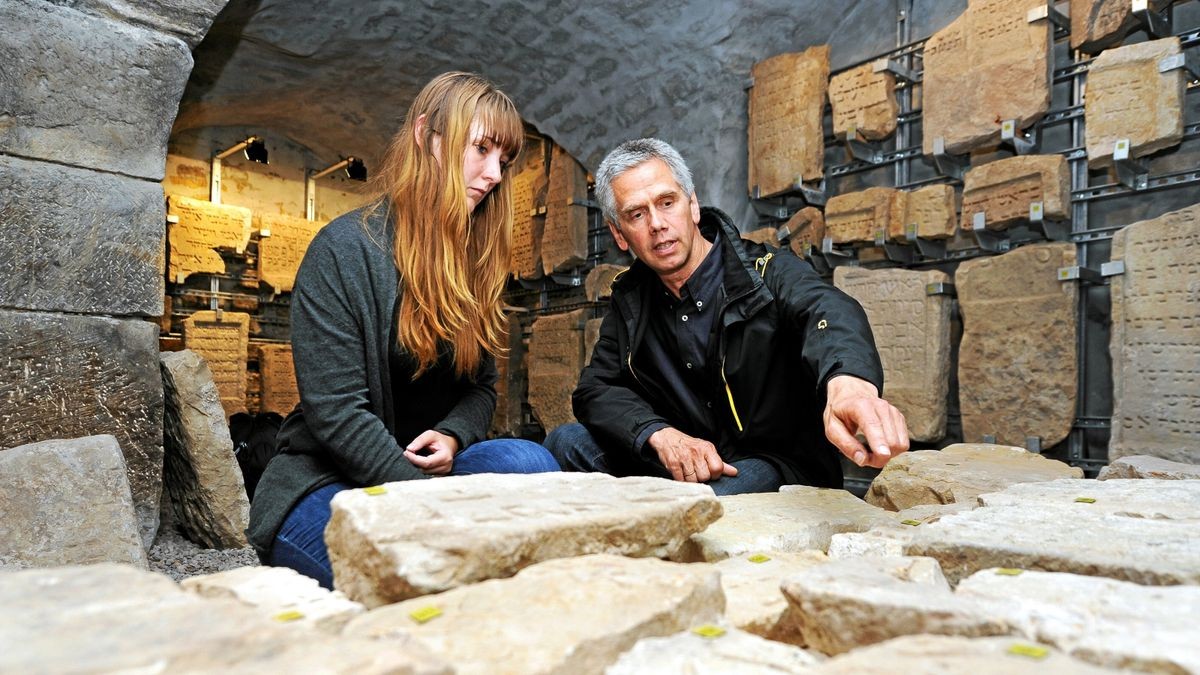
(695, 207)
(617, 236)
(419, 131)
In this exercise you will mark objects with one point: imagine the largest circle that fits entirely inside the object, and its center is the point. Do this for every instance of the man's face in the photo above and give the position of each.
(657, 220)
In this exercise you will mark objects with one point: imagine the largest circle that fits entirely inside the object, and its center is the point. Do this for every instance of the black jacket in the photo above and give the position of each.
(782, 333)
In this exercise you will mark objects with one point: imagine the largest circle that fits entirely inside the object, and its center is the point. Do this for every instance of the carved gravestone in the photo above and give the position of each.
(1155, 344)
(1129, 98)
(529, 185)
(933, 209)
(764, 235)
(598, 285)
(510, 382)
(1017, 360)
(280, 251)
(787, 102)
(1004, 190)
(864, 101)
(806, 228)
(555, 359)
(912, 332)
(223, 342)
(858, 216)
(565, 240)
(1100, 24)
(200, 228)
(989, 65)
(277, 371)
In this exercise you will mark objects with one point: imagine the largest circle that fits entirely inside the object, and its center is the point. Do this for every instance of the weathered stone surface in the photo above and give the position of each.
(1153, 499)
(200, 228)
(279, 593)
(864, 101)
(119, 619)
(733, 651)
(280, 252)
(117, 123)
(933, 209)
(912, 333)
(931, 513)
(67, 502)
(787, 101)
(1017, 361)
(222, 339)
(763, 235)
(565, 239)
(875, 543)
(1100, 24)
(1128, 98)
(753, 601)
(591, 335)
(989, 65)
(807, 228)
(959, 473)
(797, 518)
(598, 285)
(948, 655)
(1004, 189)
(79, 241)
(528, 193)
(428, 536)
(555, 360)
(200, 471)
(72, 376)
(279, 391)
(187, 20)
(510, 382)
(1155, 346)
(858, 216)
(562, 616)
(1146, 466)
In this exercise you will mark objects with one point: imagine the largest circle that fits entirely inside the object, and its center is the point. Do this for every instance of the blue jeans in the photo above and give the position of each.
(576, 450)
(300, 544)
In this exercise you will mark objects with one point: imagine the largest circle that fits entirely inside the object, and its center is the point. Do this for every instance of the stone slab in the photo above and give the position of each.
(1146, 466)
(806, 228)
(797, 518)
(187, 20)
(511, 383)
(528, 193)
(67, 502)
(79, 241)
(768, 236)
(959, 473)
(1148, 498)
(591, 335)
(222, 339)
(423, 537)
(56, 108)
(1099, 24)
(575, 615)
(787, 103)
(276, 591)
(115, 618)
(72, 376)
(1128, 98)
(555, 361)
(1017, 361)
(200, 472)
(864, 102)
(933, 209)
(989, 65)
(753, 601)
(1155, 341)
(731, 652)
(279, 391)
(912, 334)
(280, 252)
(875, 543)
(598, 285)
(858, 216)
(201, 228)
(565, 239)
(950, 655)
(1004, 189)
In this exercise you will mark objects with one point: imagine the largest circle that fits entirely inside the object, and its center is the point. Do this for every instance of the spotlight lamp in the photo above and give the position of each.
(254, 148)
(354, 168)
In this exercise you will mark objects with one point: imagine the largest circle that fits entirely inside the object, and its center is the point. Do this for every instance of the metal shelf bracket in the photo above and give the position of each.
(988, 240)
(927, 248)
(861, 149)
(902, 73)
(953, 166)
(1025, 142)
(1152, 22)
(1130, 173)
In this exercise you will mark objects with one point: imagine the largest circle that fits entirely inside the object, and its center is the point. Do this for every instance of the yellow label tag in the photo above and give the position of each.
(759, 558)
(1008, 571)
(291, 615)
(709, 631)
(1029, 651)
(1085, 500)
(425, 614)
(375, 490)
(910, 521)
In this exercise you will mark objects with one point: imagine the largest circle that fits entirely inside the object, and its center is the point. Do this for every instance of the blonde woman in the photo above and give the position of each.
(396, 313)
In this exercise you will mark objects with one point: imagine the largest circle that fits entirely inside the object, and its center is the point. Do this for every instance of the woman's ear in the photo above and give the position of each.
(419, 131)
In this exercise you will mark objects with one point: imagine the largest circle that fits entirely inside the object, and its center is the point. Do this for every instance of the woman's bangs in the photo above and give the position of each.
(501, 123)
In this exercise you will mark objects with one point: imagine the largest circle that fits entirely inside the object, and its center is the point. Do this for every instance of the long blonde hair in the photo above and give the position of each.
(453, 262)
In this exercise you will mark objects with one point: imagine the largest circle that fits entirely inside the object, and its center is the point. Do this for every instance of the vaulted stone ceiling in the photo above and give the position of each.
(336, 76)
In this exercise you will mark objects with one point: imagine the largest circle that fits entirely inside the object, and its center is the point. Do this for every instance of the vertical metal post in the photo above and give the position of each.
(1076, 441)
(905, 95)
(214, 181)
(310, 196)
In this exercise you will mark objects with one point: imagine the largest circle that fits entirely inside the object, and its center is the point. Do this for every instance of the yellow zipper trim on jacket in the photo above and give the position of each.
(729, 392)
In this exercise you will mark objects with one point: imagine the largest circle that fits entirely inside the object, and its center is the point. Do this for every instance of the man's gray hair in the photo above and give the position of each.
(629, 155)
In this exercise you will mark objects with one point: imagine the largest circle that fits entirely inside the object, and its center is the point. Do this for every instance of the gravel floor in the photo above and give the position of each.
(179, 558)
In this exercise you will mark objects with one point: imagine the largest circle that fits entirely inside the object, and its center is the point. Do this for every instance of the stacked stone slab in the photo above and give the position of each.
(1130, 98)
(555, 360)
(565, 239)
(864, 102)
(598, 285)
(1100, 24)
(280, 594)
(67, 502)
(768, 236)
(591, 335)
(1004, 190)
(528, 192)
(1146, 466)
(510, 382)
(983, 656)
(859, 216)
(278, 389)
(421, 537)
(787, 101)
(806, 229)
(198, 228)
(714, 650)
(753, 601)
(933, 210)
(222, 339)
(1155, 345)
(912, 333)
(1017, 361)
(283, 240)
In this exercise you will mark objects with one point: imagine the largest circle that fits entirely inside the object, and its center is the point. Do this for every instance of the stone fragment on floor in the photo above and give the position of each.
(1148, 498)
(279, 593)
(714, 650)
(402, 540)
(753, 601)
(878, 542)
(948, 655)
(573, 615)
(1147, 466)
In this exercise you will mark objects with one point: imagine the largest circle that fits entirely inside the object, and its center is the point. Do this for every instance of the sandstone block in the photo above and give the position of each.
(187, 20)
(1155, 346)
(858, 216)
(1003, 190)
(423, 537)
(1100, 24)
(797, 518)
(764, 235)
(932, 209)
(555, 361)
(931, 513)
(279, 591)
(565, 239)
(1146, 466)
(511, 382)
(528, 192)
(591, 335)
(222, 340)
(67, 502)
(807, 228)
(117, 123)
(864, 102)
(948, 654)
(732, 651)
(574, 615)
(201, 473)
(1017, 361)
(79, 241)
(201, 227)
(280, 393)
(912, 334)
(598, 285)
(1128, 98)
(1154, 499)
(876, 543)
(73, 376)
(787, 102)
(282, 244)
(753, 601)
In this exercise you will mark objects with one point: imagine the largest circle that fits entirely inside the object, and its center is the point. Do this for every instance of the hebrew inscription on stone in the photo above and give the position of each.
(202, 228)
(1017, 360)
(529, 185)
(555, 359)
(858, 216)
(989, 65)
(933, 209)
(1100, 24)
(280, 253)
(912, 332)
(565, 240)
(787, 102)
(806, 228)
(1128, 98)
(277, 379)
(1004, 190)
(1156, 339)
(864, 101)
(223, 344)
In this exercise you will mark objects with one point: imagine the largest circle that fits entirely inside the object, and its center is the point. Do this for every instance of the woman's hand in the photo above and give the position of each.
(432, 453)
